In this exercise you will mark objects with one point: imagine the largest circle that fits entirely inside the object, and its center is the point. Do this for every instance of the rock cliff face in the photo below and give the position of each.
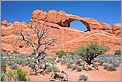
(116, 28)
(67, 38)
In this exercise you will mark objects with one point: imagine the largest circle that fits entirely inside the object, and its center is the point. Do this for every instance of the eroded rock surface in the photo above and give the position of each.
(116, 28)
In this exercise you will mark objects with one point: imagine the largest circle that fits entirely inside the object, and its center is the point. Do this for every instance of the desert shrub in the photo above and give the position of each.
(78, 62)
(109, 68)
(21, 75)
(64, 62)
(61, 53)
(101, 62)
(22, 59)
(18, 74)
(53, 57)
(117, 52)
(110, 59)
(2, 53)
(50, 60)
(25, 63)
(12, 74)
(70, 66)
(3, 65)
(71, 62)
(32, 63)
(3, 76)
(52, 69)
(12, 65)
(83, 77)
(18, 61)
(116, 64)
(48, 64)
(91, 51)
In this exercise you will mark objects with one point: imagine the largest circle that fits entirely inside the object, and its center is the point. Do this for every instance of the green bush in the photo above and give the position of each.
(83, 77)
(53, 57)
(3, 75)
(52, 69)
(12, 74)
(18, 74)
(79, 50)
(50, 60)
(91, 51)
(18, 61)
(117, 52)
(32, 63)
(61, 53)
(21, 74)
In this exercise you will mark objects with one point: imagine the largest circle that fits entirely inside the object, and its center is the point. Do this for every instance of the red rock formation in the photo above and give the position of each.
(63, 19)
(5, 23)
(116, 28)
(68, 39)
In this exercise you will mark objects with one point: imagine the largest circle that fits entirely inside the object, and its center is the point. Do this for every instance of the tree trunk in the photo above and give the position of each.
(36, 57)
(89, 62)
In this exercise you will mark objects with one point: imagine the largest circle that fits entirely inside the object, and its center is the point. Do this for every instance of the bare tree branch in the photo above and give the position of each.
(36, 36)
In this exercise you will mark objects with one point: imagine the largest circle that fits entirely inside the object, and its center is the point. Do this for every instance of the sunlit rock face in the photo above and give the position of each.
(66, 38)
(116, 28)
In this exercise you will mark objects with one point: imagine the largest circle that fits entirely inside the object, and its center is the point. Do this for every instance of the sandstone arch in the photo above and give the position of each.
(78, 25)
(85, 23)
(63, 19)
(91, 24)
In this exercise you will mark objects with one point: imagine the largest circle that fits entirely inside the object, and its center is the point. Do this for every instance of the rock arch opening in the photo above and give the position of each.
(76, 24)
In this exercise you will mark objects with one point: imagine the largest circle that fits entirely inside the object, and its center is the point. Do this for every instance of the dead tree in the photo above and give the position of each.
(36, 36)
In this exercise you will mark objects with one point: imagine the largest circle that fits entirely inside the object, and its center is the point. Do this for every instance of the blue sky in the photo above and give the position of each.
(105, 11)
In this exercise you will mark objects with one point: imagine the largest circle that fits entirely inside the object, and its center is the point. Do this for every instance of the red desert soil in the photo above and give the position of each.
(94, 75)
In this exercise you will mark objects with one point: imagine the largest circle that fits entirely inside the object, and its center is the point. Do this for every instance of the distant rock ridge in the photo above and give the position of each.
(68, 39)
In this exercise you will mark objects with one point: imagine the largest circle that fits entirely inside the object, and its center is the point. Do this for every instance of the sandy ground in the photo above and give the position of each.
(94, 75)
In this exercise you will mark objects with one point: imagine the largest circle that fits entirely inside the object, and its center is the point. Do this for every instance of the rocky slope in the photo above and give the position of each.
(67, 38)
